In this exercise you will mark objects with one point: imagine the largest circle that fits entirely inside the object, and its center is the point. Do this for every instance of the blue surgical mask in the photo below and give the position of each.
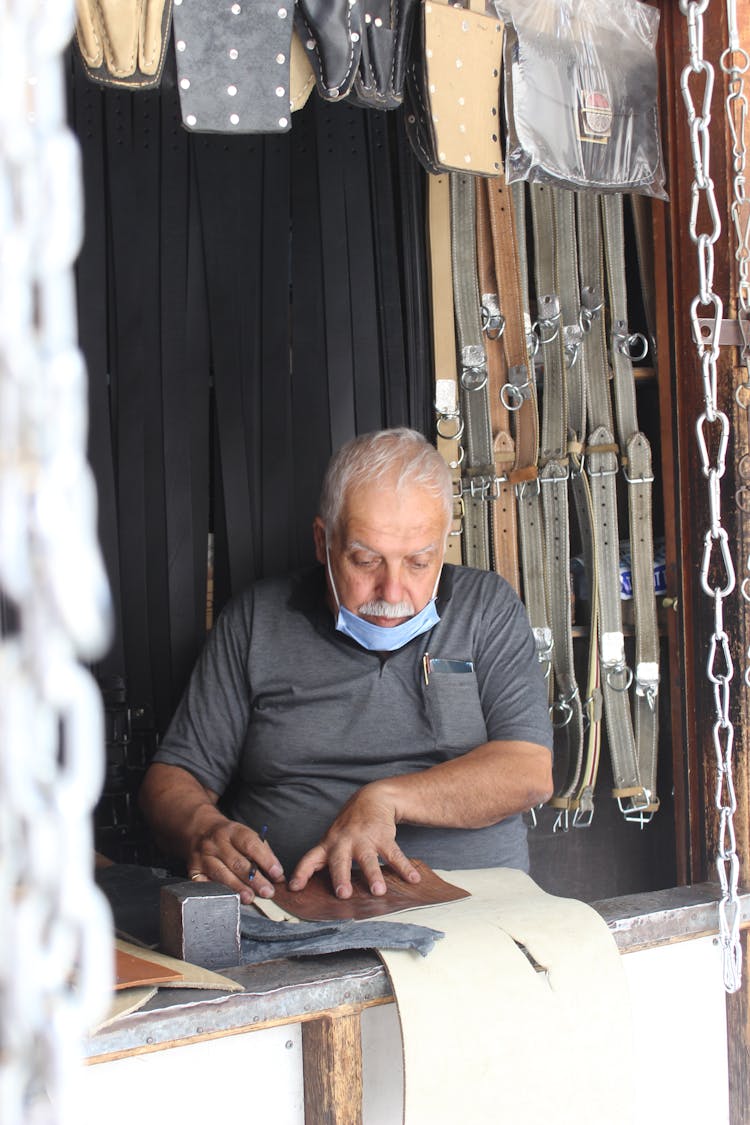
(383, 638)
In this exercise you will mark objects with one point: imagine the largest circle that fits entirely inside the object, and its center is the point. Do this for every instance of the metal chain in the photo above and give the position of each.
(734, 63)
(55, 937)
(712, 430)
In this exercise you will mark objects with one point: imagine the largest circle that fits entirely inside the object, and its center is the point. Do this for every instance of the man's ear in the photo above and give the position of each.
(319, 537)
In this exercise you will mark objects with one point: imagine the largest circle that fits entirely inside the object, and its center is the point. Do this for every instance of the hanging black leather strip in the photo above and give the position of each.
(310, 406)
(127, 371)
(144, 262)
(366, 343)
(336, 290)
(229, 187)
(277, 469)
(185, 401)
(387, 270)
(411, 189)
(91, 282)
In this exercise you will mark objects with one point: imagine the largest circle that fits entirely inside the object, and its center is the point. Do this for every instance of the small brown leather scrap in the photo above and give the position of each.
(318, 903)
(131, 970)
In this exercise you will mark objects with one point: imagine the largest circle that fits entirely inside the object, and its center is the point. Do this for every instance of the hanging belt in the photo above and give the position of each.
(479, 472)
(449, 424)
(502, 508)
(635, 790)
(574, 795)
(551, 245)
(602, 462)
(519, 344)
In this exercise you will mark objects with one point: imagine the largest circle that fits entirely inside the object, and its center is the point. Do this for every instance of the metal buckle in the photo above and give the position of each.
(562, 821)
(637, 813)
(523, 485)
(601, 472)
(582, 818)
(557, 480)
(636, 480)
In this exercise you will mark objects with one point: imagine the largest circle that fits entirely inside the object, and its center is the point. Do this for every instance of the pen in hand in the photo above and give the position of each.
(254, 865)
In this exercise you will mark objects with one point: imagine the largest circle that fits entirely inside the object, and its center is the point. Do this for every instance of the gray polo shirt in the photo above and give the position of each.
(287, 718)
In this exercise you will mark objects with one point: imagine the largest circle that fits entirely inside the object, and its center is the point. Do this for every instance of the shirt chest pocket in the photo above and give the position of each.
(454, 711)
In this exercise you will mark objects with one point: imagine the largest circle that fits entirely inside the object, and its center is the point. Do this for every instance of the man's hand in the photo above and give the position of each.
(232, 854)
(364, 830)
(184, 817)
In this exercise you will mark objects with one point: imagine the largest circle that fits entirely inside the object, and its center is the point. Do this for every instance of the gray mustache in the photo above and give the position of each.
(386, 609)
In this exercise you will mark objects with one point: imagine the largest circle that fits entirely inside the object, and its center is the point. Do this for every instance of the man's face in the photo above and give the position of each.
(387, 555)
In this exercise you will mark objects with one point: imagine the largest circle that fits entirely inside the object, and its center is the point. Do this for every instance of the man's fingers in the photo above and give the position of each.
(403, 866)
(257, 852)
(214, 869)
(370, 867)
(311, 861)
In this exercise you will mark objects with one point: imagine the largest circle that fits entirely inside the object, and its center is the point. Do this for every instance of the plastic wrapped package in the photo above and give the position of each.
(581, 94)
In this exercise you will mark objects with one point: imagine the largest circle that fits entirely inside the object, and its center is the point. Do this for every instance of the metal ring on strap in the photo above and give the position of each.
(474, 378)
(512, 397)
(618, 670)
(625, 342)
(545, 323)
(493, 323)
(563, 704)
(450, 418)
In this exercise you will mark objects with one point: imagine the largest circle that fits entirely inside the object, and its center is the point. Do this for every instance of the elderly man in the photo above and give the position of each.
(382, 706)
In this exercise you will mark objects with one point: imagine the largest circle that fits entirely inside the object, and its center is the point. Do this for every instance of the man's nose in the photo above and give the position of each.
(391, 588)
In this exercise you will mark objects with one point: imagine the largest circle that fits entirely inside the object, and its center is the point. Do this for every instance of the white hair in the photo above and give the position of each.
(401, 456)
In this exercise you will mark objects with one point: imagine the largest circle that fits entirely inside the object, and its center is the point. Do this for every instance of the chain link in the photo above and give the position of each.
(712, 433)
(55, 936)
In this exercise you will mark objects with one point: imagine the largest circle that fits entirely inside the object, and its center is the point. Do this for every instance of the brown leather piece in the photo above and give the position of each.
(318, 903)
(133, 970)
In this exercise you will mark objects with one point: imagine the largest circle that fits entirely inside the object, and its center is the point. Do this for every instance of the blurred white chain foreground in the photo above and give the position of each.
(55, 928)
(712, 428)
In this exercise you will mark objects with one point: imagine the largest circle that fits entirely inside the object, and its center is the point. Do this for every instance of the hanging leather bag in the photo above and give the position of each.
(581, 95)
(453, 89)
